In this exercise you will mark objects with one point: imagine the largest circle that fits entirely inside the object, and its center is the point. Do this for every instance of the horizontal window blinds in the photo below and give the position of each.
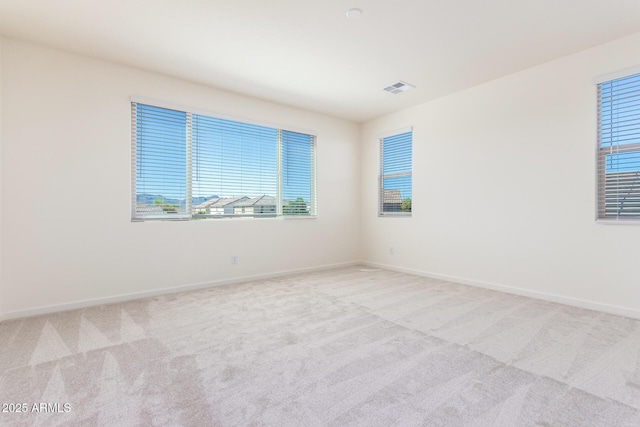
(192, 166)
(162, 159)
(619, 148)
(395, 174)
(298, 173)
(237, 162)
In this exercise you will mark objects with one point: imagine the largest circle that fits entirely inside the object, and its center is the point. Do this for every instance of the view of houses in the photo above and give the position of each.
(264, 205)
(392, 201)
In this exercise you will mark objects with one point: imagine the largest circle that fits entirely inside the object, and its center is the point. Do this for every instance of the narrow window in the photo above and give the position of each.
(395, 174)
(161, 161)
(298, 174)
(619, 148)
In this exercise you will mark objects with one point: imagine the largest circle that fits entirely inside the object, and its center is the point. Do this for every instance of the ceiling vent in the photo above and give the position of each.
(398, 87)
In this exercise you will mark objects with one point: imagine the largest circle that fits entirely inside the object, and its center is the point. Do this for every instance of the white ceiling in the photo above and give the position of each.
(308, 54)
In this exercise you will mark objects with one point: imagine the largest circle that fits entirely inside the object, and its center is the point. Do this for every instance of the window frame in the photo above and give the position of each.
(602, 151)
(382, 176)
(190, 215)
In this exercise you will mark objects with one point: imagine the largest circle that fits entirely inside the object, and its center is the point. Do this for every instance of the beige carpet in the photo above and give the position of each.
(347, 347)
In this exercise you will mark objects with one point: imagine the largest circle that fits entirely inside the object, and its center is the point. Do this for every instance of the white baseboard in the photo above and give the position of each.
(575, 302)
(37, 311)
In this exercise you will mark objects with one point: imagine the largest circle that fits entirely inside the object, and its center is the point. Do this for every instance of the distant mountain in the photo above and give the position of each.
(148, 199)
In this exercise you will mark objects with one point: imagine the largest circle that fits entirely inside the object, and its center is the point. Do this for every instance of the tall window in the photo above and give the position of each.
(298, 173)
(619, 148)
(191, 166)
(395, 174)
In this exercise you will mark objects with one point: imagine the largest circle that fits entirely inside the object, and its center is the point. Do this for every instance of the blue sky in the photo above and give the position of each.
(233, 159)
(397, 158)
(620, 123)
(161, 152)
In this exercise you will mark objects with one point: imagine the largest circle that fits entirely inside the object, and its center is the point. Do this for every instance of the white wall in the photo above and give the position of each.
(1, 168)
(68, 237)
(504, 188)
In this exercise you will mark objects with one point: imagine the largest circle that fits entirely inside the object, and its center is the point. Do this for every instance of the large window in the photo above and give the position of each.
(619, 148)
(191, 166)
(395, 174)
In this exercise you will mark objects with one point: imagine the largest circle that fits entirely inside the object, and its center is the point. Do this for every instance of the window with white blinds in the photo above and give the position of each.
(161, 159)
(619, 148)
(192, 166)
(236, 162)
(395, 181)
(298, 173)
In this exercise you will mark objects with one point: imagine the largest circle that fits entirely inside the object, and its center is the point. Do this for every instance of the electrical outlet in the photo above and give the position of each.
(391, 250)
(234, 259)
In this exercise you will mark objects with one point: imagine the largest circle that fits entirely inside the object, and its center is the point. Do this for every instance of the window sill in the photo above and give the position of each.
(296, 217)
(618, 221)
(226, 218)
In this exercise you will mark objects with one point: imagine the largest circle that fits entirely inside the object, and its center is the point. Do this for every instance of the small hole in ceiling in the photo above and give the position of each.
(354, 13)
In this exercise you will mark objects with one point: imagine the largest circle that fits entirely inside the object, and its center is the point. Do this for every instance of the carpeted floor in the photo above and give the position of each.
(346, 347)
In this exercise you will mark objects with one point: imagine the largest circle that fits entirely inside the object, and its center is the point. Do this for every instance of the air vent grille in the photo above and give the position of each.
(398, 87)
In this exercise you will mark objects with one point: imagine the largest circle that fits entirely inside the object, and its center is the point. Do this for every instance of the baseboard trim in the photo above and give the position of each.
(37, 311)
(574, 302)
